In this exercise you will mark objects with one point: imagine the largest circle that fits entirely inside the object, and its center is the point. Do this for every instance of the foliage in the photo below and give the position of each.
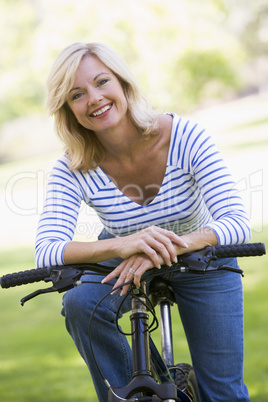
(203, 75)
(22, 92)
(183, 38)
(249, 21)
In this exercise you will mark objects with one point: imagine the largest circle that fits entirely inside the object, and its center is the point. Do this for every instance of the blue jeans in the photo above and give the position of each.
(211, 310)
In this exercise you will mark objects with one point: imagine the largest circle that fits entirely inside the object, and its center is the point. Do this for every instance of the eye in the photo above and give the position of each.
(102, 82)
(77, 95)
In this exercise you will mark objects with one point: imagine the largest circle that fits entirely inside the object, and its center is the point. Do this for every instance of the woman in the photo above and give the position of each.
(160, 188)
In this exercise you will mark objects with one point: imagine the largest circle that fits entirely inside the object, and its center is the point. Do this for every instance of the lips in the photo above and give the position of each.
(101, 110)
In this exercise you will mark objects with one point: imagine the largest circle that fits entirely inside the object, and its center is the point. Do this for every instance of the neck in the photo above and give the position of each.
(123, 143)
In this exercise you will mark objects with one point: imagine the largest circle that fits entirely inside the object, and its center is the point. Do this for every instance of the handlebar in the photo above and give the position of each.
(44, 274)
(239, 250)
(67, 276)
(24, 277)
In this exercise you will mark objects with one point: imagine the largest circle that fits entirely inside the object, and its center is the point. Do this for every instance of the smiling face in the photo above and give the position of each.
(97, 99)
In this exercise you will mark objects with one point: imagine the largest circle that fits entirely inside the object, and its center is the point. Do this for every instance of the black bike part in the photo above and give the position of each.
(239, 250)
(186, 382)
(160, 289)
(24, 277)
(99, 269)
(144, 384)
(41, 274)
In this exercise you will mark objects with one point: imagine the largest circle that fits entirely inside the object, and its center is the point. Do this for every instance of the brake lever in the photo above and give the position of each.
(227, 268)
(36, 293)
(197, 261)
(62, 279)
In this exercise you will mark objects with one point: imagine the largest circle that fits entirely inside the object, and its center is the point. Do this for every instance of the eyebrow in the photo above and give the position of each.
(94, 79)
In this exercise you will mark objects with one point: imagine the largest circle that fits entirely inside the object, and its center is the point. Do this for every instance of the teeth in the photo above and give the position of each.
(103, 110)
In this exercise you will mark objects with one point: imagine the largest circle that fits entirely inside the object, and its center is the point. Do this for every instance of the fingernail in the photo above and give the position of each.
(176, 260)
(103, 281)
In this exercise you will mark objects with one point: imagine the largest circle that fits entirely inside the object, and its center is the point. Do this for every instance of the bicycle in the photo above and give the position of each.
(155, 376)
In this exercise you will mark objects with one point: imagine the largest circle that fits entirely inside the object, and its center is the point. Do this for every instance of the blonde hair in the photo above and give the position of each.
(82, 146)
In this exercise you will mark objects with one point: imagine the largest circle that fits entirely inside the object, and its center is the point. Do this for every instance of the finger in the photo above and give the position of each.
(141, 264)
(165, 248)
(138, 274)
(115, 273)
(168, 233)
(150, 251)
(120, 283)
(173, 237)
(124, 289)
(126, 275)
(161, 245)
(155, 242)
(130, 269)
(170, 240)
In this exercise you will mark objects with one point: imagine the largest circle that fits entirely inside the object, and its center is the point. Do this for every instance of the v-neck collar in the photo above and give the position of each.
(108, 181)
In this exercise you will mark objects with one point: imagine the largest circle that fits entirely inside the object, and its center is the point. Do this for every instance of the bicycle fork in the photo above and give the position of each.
(166, 333)
(142, 381)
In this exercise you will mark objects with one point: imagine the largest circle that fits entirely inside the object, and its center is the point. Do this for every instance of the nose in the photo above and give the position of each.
(94, 96)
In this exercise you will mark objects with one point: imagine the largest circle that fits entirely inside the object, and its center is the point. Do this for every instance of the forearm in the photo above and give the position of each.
(77, 252)
(155, 242)
(101, 250)
(198, 239)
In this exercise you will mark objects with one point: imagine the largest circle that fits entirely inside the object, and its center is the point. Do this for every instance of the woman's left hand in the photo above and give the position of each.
(130, 269)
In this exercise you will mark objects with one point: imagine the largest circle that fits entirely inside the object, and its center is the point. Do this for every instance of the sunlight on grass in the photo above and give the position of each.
(250, 145)
(252, 123)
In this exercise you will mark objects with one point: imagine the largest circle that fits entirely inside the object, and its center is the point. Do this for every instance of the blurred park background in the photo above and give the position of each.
(205, 59)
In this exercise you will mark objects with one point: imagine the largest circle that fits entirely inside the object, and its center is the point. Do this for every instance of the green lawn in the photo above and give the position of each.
(38, 361)
(256, 323)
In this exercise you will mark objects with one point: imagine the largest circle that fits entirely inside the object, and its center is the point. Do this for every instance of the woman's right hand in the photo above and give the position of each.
(153, 241)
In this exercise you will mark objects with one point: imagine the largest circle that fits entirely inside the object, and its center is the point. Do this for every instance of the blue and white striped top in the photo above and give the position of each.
(197, 191)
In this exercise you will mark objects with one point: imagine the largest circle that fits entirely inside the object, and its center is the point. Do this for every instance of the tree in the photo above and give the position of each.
(183, 52)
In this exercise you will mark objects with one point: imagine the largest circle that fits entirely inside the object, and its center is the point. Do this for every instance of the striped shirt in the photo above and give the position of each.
(197, 191)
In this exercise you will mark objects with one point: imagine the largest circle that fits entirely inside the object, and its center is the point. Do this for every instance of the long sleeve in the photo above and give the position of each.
(58, 220)
(199, 156)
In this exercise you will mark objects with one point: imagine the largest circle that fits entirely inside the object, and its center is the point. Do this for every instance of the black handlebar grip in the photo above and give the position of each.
(239, 250)
(24, 277)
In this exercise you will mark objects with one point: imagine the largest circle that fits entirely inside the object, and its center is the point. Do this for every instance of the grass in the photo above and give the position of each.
(250, 145)
(251, 124)
(256, 324)
(38, 361)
